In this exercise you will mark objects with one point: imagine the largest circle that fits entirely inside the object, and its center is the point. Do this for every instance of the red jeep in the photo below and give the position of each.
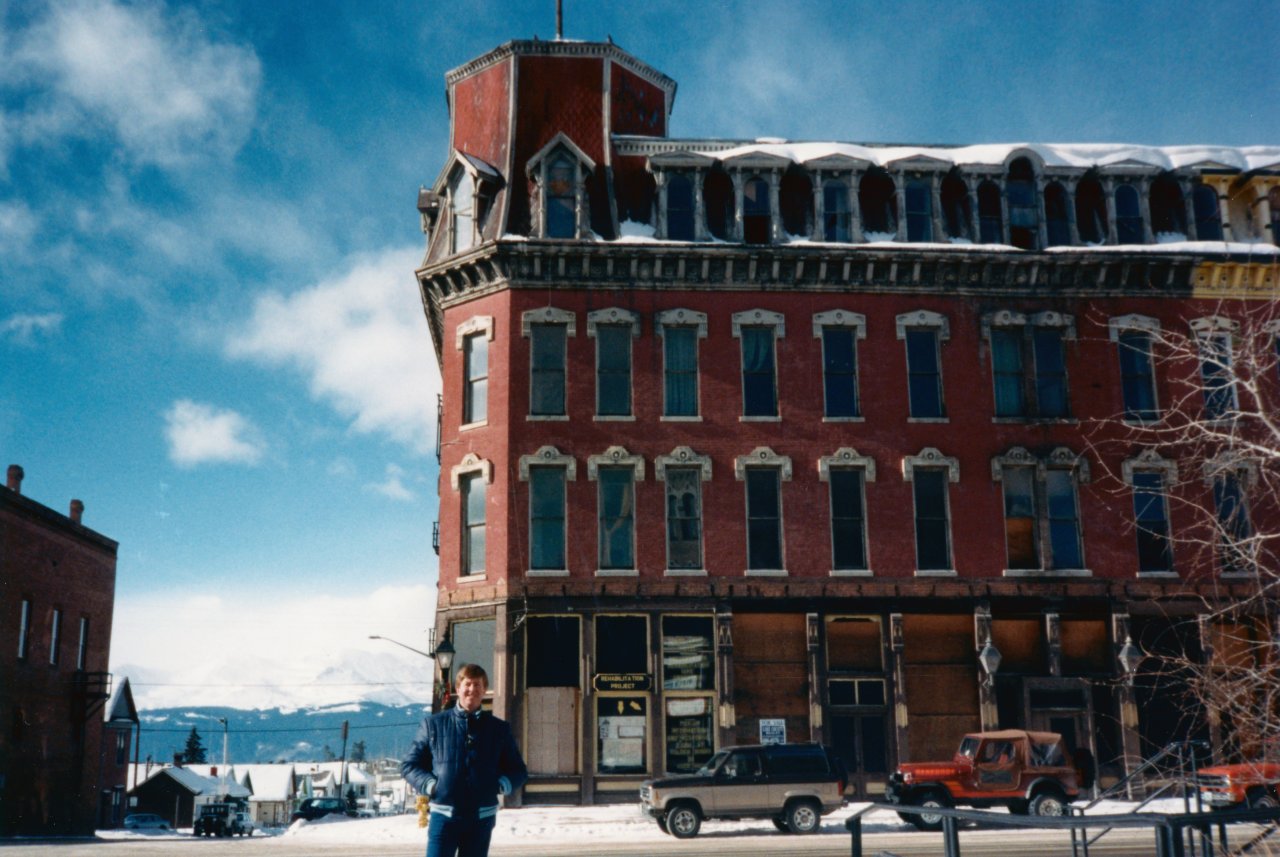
(1028, 772)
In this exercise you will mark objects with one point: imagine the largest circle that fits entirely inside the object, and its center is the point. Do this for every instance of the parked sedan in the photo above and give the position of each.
(145, 821)
(317, 807)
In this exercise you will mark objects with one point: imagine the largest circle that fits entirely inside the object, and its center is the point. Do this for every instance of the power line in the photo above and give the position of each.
(186, 730)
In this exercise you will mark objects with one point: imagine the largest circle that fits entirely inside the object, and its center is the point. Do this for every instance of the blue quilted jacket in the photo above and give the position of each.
(463, 761)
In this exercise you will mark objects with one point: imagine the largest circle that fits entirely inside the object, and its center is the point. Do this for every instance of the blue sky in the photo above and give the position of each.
(209, 327)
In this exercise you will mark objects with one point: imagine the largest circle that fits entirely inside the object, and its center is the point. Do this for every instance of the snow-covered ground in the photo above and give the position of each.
(574, 826)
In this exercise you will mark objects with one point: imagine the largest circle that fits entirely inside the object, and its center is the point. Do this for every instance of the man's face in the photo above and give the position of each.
(470, 692)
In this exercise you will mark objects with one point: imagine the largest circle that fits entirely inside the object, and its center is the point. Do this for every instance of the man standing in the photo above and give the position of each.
(462, 758)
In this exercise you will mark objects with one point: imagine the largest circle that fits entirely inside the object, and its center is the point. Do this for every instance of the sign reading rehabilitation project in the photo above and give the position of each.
(605, 682)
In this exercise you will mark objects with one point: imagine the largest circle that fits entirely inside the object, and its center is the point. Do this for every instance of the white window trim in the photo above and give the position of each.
(536, 169)
(683, 456)
(680, 317)
(1149, 461)
(760, 318)
(475, 324)
(923, 318)
(765, 458)
(1117, 325)
(549, 456)
(617, 456)
(470, 463)
(847, 458)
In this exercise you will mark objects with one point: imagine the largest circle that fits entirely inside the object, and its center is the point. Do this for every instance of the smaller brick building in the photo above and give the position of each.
(56, 602)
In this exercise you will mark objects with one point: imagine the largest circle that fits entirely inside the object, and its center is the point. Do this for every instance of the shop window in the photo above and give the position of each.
(82, 650)
(684, 517)
(552, 651)
(922, 331)
(764, 519)
(757, 214)
(616, 518)
(473, 642)
(1091, 210)
(876, 201)
(547, 349)
(956, 215)
(856, 691)
(1168, 212)
(547, 518)
(1128, 216)
(854, 644)
(24, 630)
(933, 528)
(919, 204)
(561, 198)
(622, 645)
(690, 733)
(1204, 201)
(840, 371)
(1133, 336)
(990, 218)
(475, 390)
(473, 523)
(1151, 521)
(759, 366)
(621, 730)
(848, 519)
(836, 213)
(717, 194)
(1024, 216)
(55, 637)
(680, 208)
(795, 203)
(688, 653)
(1057, 228)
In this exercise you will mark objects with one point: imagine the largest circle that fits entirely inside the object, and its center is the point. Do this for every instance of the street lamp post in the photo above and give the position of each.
(442, 654)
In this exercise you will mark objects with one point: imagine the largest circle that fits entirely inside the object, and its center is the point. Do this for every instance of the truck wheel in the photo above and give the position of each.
(930, 800)
(803, 817)
(1260, 799)
(662, 824)
(683, 821)
(1048, 803)
(780, 823)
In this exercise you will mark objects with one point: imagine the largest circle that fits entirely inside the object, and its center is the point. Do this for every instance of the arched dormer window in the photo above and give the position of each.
(717, 192)
(1168, 212)
(919, 205)
(956, 216)
(1091, 210)
(1024, 217)
(559, 171)
(990, 221)
(1128, 215)
(795, 203)
(878, 205)
(1204, 201)
(461, 211)
(836, 213)
(1057, 228)
(756, 213)
(680, 207)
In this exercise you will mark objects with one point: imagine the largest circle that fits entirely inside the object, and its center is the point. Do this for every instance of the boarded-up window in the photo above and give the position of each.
(1021, 644)
(1085, 647)
(551, 745)
(853, 644)
(942, 683)
(770, 673)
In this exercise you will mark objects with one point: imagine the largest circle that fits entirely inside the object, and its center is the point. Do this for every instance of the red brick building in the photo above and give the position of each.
(749, 440)
(63, 756)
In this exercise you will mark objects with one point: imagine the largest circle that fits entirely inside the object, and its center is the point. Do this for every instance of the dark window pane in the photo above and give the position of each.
(874, 754)
(1091, 211)
(1051, 372)
(1020, 517)
(562, 217)
(879, 206)
(990, 221)
(1128, 216)
(840, 369)
(1204, 200)
(1215, 370)
(1151, 517)
(924, 380)
(954, 197)
(764, 522)
(919, 202)
(759, 391)
(473, 644)
(756, 225)
(613, 369)
(680, 378)
(1024, 217)
(835, 205)
(553, 651)
(1006, 368)
(1168, 211)
(1055, 215)
(617, 517)
(933, 543)
(680, 208)
(622, 644)
(684, 517)
(1064, 524)
(1137, 378)
(547, 355)
(546, 513)
(847, 519)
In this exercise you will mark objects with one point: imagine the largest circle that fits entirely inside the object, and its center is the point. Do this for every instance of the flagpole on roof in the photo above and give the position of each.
(559, 20)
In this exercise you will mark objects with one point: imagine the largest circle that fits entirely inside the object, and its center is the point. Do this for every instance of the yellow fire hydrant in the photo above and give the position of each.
(424, 806)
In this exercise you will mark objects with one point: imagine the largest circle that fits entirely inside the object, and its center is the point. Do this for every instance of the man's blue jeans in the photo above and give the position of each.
(465, 837)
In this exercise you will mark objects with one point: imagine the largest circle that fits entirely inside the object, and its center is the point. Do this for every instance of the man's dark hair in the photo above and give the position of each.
(471, 671)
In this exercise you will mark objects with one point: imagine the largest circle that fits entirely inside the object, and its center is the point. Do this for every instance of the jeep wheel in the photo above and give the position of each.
(928, 820)
(1048, 803)
(803, 817)
(683, 821)
(1019, 807)
(780, 823)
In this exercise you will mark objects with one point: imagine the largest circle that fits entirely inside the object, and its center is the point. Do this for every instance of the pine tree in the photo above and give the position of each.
(195, 753)
(328, 753)
(358, 751)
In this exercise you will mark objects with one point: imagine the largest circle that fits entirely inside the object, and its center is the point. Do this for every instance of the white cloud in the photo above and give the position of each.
(393, 485)
(202, 434)
(168, 89)
(23, 328)
(267, 649)
(362, 342)
(17, 222)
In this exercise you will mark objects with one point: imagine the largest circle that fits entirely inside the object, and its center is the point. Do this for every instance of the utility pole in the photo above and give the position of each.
(342, 782)
(223, 772)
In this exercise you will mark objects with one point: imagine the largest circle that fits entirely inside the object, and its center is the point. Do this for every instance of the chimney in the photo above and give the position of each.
(14, 482)
(77, 510)
(178, 759)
